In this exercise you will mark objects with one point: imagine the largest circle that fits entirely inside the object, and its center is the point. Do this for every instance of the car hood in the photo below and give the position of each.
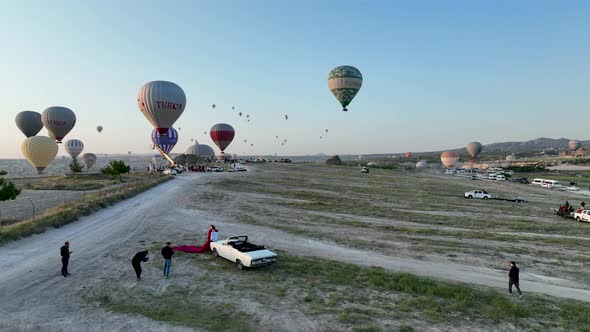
(260, 254)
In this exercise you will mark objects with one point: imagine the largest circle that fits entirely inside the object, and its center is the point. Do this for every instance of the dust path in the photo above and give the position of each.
(35, 296)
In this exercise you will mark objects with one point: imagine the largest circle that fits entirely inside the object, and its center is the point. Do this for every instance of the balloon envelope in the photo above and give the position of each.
(39, 151)
(162, 103)
(89, 159)
(165, 142)
(222, 135)
(200, 150)
(29, 122)
(474, 149)
(74, 147)
(421, 164)
(345, 82)
(408, 155)
(59, 121)
(99, 129)
(449, 158)
(574, 144)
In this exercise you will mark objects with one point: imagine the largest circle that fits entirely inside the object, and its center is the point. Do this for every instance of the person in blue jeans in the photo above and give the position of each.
(167, 253)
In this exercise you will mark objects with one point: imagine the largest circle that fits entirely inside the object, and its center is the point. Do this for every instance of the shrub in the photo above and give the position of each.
(75, 166)
(8, 190)
(116, 168)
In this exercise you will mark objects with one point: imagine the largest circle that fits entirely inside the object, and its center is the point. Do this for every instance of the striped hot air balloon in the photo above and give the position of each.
(59, 121)
(345, 82)
(408, 155)
(39, 151)
(449, 158)
(162, 103)
(165, 142)
(29, 123)
(222, 135)
(74, 147)
(421, 164)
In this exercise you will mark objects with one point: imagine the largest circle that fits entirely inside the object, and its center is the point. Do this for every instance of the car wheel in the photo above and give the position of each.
(239, 264)
(578, 219)
(215, 253)
(485, 197)
(469, 196)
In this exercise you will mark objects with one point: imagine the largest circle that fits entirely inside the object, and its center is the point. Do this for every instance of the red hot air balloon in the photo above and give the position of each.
(408, 155)
(222, 135)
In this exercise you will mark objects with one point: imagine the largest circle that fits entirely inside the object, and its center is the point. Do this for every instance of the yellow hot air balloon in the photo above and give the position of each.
(39, 151)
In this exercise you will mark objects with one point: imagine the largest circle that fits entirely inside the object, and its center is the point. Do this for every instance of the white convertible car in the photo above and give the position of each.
(245, 254)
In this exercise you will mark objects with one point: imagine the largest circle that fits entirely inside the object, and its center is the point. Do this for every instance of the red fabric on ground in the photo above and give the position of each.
(194, 249)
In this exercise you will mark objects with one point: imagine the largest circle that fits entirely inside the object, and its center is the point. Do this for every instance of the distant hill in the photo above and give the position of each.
(535, 145)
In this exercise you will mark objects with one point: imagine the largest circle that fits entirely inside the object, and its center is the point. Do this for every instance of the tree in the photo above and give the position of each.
(116, 168)
(8, 190)
(75, 166)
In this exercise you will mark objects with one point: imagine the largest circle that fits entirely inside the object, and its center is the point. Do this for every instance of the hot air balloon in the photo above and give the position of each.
(345, 82)
(89, 159)
(247, 115)
(251, 144)
(286, 117)
(474, 149)
(326, 131)
(449, 158)
(233, 108)
(320, 137)
(222, 134)
(29, 123)
(74, 147)
(165, 142)
(245, 141)
(192, 139)
(59, 121)
(200, 150)
(421, 164)
(162, 103)
(574, 144)
(240, 114)
(99, 129)
(277, 137)
(285, 140)
(408, 155)
(39, 151)
(282, 144)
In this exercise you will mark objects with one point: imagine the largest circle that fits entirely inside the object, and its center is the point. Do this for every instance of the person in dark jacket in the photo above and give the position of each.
(141, 256)
(513, 278)
(65, 258)
(167, 253)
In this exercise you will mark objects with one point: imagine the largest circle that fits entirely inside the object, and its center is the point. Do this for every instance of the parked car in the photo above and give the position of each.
(584, 215)
(500, 177)
(478, 194)
(215, 169)
(245, 254)
(170, 171)
(365, 170)
(573, 188)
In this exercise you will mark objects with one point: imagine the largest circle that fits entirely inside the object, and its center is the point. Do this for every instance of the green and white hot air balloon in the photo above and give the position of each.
(345, 82)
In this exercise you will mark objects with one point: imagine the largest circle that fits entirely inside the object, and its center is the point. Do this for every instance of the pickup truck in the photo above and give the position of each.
(478, 194)
(584, 215)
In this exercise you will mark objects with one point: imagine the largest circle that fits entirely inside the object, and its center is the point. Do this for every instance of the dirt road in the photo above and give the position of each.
(34, 296)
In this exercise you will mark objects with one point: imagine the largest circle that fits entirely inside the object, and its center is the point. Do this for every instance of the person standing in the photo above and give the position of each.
(141, 256)
(65, 258)
(214, 234)
(167, 253)
(513, 278)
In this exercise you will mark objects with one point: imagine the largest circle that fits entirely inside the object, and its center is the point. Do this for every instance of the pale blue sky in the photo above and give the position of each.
(437, 74)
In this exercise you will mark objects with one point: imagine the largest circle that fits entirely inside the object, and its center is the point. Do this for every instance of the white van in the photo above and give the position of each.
(551, 184)
(538, 182)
